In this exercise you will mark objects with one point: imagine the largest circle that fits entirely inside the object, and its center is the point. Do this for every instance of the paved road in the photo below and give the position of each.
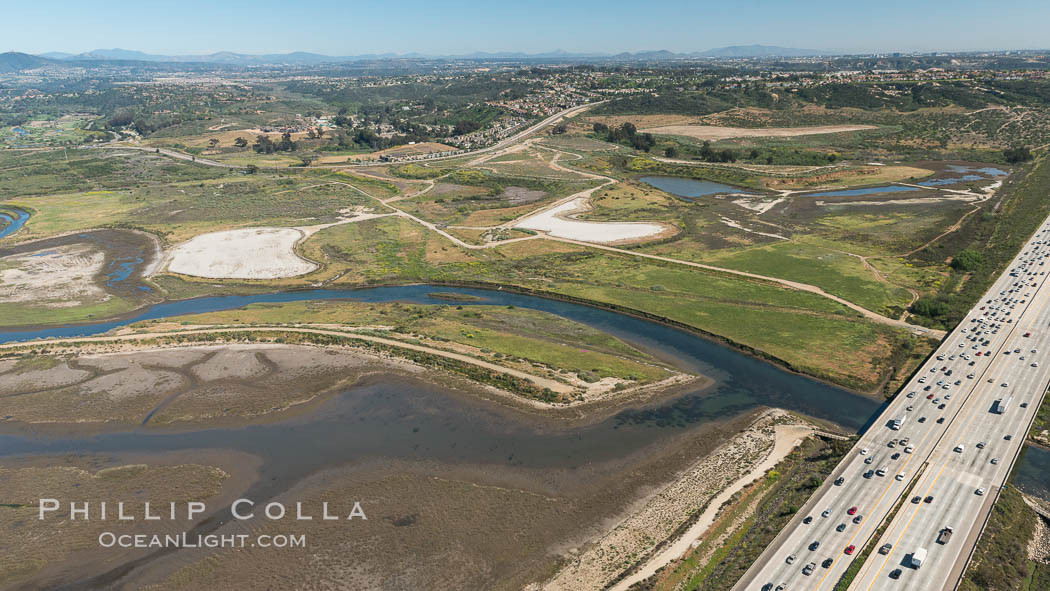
(559, 116)
(931, 468)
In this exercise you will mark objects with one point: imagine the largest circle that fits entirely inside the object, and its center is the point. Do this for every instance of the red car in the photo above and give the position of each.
(850, 549)
(978, 353)
(1027, 334)
(930, 397)
(852, 511)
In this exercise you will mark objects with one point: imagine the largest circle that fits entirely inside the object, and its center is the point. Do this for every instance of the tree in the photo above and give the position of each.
(121, 119)
(465, 126)
(286, 144)
(671, 152)
(308, 159)
(251, 169)
(559, 129)
(601, 128)
(320, 132)
(264, 145)
(213, 143)
(240, 142)
(967, 260)
(1017, 155)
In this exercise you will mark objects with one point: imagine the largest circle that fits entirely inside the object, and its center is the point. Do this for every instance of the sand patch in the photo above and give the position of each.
(13, 379)
(715, 133)
(250, 253)
(61, 277)
(557, 222)
(231, 363)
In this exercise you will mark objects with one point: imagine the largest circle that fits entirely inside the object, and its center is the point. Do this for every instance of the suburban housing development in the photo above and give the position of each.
(750, 318)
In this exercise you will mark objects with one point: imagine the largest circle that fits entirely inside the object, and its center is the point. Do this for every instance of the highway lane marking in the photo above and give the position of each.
(913, 515)
(972, 413)
(973, 388)
(1003, 283)
(969, 413)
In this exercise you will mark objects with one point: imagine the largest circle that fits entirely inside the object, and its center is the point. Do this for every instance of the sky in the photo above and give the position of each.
(449, 27)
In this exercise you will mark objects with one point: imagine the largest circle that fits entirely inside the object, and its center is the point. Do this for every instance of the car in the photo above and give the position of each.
(880, 472)
(869, 460)
(782, 587)
(901, 476)
(868, 474)
(814, 545)
(885, 548)
(826, 513)
(916, 500)
(1024, 405)
(909, 449)
(930, 397)
(1005, 384)
(922, 419)
(979, 492)
(808, 569)
(904, 441)
(1008, 437)
(791, 558)
(896, 456)
(911, 394)
(851, 511)
(980, 445)
(841, 527)
(895, 573)
(1035, 364)
(941, 406)
(928, 499)
(858, 519)
(827, 563)
(850, 549)
(839, 481)
(940, 420)
(863, 451)
(891, 444)
(910, 408)
(995, 460)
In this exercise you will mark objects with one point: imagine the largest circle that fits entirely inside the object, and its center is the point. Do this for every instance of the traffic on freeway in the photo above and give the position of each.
(941, 450)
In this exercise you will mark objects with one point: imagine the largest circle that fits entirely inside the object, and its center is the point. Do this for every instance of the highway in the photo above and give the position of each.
(1000, 351)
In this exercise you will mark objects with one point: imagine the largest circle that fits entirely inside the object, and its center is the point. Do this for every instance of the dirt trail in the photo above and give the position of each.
(939, 334)
(786, 439)
(541, 382)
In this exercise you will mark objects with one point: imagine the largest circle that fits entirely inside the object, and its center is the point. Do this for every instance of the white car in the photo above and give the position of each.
(901, 476)
(979, 492)
(960, 448)
(863, 451)
(909, 449)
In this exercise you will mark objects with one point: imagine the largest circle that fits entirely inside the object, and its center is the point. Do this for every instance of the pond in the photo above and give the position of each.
(688, 189)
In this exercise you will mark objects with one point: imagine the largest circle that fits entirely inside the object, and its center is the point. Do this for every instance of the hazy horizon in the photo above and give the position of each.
(456, 27)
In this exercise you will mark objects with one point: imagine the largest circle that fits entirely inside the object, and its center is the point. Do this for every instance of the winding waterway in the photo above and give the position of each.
(13, 220)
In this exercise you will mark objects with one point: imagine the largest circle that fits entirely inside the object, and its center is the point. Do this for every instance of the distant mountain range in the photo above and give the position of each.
(306, 58)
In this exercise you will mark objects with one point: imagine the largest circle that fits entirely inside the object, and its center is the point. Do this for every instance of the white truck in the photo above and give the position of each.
(1002, 404)
(896, 423)
(918, 557)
